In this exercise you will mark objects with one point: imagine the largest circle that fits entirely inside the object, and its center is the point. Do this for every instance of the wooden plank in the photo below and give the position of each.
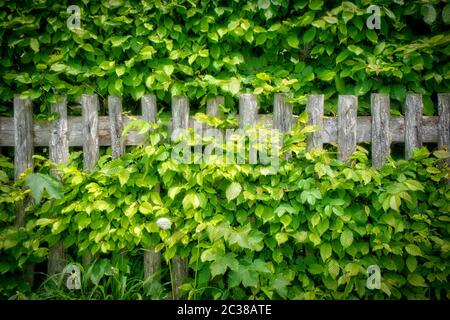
(314, 108)
(116, 125)
(248, 110)
(248, 115)
(282, 113)
(41, 131)
(23, 138)
(90, 105)
(282, 121)
(212, 106)
(180, 120)
(413, 123)
(346, 137)
(59, 142)
(180, 115)
(444, 121)
(179, 273)
(381, 138)
(59, 153)
(152, 259)
(214, 149)
(152, 263)
(23, 141)
(149, 108)
(23, 159)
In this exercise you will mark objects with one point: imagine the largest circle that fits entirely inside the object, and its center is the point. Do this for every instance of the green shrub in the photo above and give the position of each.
(310, 231)
(200, 48)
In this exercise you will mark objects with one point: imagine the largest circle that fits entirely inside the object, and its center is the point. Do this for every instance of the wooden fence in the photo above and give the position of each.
(92, 131)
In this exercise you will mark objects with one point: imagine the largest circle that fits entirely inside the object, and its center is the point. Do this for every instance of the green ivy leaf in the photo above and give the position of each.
(325, 251)
(123, 176)
(309, 35)
(34, 44)
(416, 280)
(346, 238)
(446, 14)
(411, 263)
(292, 40)
(429, 13)
(233, 191)
(333, 268)
(38, 183)
(220, 265)
(414, 250)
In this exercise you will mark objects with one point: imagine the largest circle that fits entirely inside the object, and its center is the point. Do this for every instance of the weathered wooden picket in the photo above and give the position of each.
(91, 131)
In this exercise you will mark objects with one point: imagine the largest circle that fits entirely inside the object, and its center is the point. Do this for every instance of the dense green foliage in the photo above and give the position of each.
(308, 231)
(200, 48)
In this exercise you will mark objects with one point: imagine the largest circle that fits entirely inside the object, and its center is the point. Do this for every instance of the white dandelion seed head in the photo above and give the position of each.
(164, 223)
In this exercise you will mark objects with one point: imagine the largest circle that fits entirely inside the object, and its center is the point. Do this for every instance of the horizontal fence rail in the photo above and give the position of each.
(432, 128)
(92, 131)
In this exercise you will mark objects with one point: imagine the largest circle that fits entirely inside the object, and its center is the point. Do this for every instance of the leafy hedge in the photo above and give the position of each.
(199, 48)
(309, 231)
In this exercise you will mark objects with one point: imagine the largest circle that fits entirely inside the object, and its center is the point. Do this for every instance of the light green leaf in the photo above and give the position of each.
(333, 268)
(346, 238)
(292, 41)
(446, 14)
(168, 69)
(34, 44)
(411, 263)
(414, 250)
(145, 208)
(191, 200)
(123, 175)
(233, 191)
(118, 40)
(281, 237)
(429, 13)
(355, 49)
(416, 280)
(325, 251)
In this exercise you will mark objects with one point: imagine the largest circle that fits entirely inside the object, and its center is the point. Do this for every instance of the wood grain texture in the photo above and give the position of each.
(116, 125)
(59, 153)
(90, 105)
(152, 259)
(212, 106)
(314, 108)
(248, 110)
(149, 108)
(23, 135)
(248, 116)
(381, 137)
(283, 121)
(282, 113)
(23, 159)
(180, 115)
(179, 273)
(152, 262)
(347, 135)
(42, 131)
(413, 123)
(444, 120)
(23, 142)
(180, 120)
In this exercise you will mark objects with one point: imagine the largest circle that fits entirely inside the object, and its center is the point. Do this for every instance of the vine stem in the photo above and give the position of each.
(171, 279)
(196, 270)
